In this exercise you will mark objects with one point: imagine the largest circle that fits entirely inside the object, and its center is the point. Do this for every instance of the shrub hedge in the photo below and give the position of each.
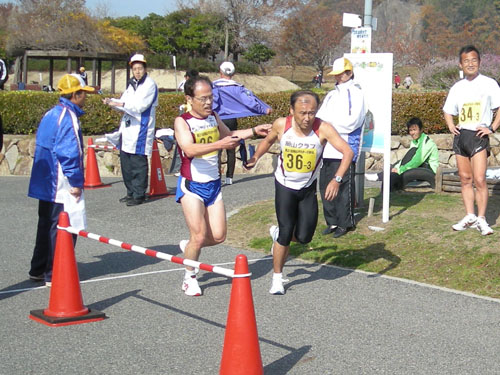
(22, 111)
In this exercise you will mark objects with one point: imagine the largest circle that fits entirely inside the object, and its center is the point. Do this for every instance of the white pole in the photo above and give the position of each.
(368, 13)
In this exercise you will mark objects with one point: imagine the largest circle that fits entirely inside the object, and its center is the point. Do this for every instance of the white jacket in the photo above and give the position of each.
(344, 107)
(138, 123)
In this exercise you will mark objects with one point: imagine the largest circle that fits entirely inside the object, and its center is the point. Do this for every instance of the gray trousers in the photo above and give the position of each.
(135, 174)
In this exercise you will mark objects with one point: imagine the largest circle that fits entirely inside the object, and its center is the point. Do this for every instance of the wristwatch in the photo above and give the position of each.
(491, 129)
(338, 179)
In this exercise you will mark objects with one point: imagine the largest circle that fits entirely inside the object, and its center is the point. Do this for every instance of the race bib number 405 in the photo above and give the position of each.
(470, 113)
(299, 159)
(207, 136)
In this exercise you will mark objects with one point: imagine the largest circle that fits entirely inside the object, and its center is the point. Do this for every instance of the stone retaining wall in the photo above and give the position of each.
(16, 156)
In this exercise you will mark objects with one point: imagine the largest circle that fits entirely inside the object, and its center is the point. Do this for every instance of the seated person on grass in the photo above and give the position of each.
(419, 163)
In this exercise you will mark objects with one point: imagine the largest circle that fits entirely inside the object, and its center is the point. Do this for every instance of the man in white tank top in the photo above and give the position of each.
(200, 134)
(302, 138)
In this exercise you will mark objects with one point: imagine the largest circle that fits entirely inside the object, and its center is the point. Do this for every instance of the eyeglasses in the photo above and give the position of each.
(204, 99)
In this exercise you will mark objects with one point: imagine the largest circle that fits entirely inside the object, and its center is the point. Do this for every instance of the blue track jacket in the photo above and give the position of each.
(58, 153)
(233, 100)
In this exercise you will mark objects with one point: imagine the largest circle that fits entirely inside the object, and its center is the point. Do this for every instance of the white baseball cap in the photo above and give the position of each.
(227, 68)
(137, 58)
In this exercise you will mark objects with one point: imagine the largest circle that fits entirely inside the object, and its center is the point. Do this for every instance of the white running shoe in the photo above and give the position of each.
(482, 226)
(277, 287)
(190, 286)
(274, 232)
(371, 177)
(229, 181)
(183, 245)
(467, 222)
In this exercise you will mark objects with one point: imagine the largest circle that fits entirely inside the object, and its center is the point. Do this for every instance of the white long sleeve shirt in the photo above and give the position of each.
(344, 108)
(138, 123)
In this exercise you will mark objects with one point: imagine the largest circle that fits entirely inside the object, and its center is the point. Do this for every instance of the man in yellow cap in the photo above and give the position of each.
(138, 104)
(344, 108)
(57, 175)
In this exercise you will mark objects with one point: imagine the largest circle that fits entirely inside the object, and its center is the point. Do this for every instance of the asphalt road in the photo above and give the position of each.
(331, 321)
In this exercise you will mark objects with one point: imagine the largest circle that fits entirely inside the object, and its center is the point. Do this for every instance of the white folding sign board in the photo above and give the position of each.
(373, 71)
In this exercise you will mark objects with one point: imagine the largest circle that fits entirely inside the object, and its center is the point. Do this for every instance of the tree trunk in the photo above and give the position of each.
(226, 42)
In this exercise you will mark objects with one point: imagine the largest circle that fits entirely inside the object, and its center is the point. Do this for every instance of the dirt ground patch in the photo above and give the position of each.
(169, 79)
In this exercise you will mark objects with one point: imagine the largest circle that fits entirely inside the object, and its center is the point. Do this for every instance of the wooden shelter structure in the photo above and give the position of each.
(21, 64)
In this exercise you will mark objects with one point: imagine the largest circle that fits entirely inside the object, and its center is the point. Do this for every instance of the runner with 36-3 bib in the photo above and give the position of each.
(302, 137)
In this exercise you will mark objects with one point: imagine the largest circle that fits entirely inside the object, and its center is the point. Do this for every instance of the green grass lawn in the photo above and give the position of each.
(417, 243)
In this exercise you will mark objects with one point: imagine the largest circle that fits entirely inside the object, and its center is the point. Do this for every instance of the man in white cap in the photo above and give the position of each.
(138, 103)
(344, 108)
(57, 175)
(232, 101)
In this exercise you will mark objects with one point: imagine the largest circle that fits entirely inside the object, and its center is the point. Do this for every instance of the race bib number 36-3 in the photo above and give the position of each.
(470, 113)
(207, 136)
(299, 159)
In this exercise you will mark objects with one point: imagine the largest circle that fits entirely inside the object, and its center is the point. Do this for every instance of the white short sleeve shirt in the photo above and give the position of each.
(473, 102)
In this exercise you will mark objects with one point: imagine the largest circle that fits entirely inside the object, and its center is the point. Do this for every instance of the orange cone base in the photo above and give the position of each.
(91, 187)
(159, 195)
(52, 321)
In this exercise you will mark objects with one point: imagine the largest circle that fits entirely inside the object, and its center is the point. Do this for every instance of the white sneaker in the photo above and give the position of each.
(229, 181)
(277, 287)
(274, 232)
(190, 286)
(467, 222)
(483, 227)
(183, 245)
(371, 176)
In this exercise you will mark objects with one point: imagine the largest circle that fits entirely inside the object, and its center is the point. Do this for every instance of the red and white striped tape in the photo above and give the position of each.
(153, 253)
(102, 147)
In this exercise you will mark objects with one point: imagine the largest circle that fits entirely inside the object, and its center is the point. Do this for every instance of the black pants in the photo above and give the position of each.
(297, 213)
(232, 124)
(135, 174)
(339, 211)
(45, 243)
(399, 181)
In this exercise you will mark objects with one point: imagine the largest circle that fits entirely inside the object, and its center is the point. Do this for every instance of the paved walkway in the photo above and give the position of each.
(331, 321)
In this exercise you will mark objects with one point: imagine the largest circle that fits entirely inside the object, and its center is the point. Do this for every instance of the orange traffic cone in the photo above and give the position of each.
(241, 352)
(92, 177)
(157, 187)
(65, 303)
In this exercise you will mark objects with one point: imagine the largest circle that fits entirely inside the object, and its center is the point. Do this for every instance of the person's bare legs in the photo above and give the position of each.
(465, 172)
(280, 253)
(479, 164)
(207, 225)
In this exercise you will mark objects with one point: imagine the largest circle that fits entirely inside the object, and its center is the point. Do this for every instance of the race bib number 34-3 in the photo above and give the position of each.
(207, 136)
(299, 159)
(470, 113)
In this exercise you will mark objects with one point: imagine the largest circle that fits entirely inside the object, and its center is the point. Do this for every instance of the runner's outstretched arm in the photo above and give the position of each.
(266, 143)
